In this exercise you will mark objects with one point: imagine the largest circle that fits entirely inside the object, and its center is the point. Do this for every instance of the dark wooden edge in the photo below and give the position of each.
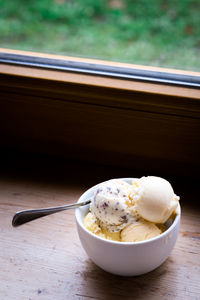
(100, 122)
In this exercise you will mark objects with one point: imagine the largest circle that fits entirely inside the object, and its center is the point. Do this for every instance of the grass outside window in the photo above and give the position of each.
(156, 33)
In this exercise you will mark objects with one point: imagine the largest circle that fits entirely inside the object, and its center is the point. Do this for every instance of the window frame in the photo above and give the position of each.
(56, 96)
(111, 74)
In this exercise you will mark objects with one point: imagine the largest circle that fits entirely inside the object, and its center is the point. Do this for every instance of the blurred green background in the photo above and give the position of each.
(162, 33)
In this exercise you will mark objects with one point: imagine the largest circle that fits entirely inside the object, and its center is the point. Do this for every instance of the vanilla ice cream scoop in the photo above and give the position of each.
(139, 231)
(154, 198)
(110, 203)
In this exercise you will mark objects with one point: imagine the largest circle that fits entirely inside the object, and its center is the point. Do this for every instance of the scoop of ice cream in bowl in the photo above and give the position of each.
(131, 225)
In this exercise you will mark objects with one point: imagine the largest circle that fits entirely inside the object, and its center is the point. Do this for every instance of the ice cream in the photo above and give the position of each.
(92, 225)
(155, 199)
(111, 202)
(131, 212)
(139, 231)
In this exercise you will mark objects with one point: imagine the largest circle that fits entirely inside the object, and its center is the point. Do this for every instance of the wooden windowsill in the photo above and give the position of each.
(44, 259)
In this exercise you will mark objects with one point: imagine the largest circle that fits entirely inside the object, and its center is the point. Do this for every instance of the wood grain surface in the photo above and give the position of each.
(44, 259)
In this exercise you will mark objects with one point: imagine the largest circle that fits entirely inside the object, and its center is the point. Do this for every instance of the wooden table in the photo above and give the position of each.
(44, 259)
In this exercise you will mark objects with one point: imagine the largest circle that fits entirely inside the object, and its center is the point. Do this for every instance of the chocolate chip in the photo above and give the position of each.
(99, 191)
(124, 218)
(104, 205)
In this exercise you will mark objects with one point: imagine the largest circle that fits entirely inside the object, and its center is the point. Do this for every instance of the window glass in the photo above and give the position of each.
(147, 32)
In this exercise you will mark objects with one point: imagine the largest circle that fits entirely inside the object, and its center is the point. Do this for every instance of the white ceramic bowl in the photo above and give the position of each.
(126, 259)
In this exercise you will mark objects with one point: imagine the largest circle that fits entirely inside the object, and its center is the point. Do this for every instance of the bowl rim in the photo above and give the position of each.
(162, 235)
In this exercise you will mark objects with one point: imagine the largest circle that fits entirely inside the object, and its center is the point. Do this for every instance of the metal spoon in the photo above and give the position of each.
(25, 216)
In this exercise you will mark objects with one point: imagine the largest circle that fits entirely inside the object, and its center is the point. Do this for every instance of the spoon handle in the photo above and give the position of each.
(26, 216)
